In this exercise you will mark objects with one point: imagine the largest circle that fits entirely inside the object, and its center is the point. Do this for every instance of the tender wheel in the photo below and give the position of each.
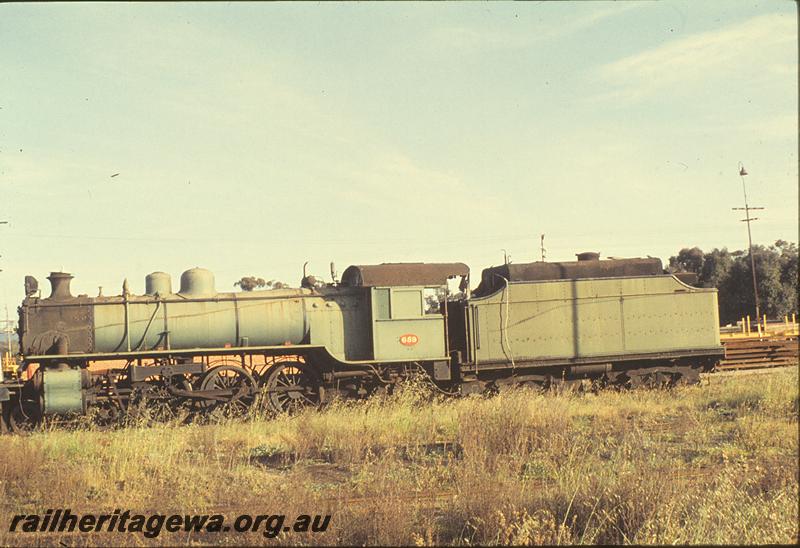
(291, 386)
(687, 375)
(238, 388)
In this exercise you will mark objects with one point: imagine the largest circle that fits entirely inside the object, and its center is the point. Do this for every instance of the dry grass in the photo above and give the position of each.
(716, 463)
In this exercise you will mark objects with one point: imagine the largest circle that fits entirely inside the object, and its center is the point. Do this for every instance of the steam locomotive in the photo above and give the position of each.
(617, 321)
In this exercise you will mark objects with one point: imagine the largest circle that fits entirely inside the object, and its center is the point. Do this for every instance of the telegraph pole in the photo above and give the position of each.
(6, 356)
(747, 209)
(8, 329)
(541, 246)
(5, 359)
(3, 223)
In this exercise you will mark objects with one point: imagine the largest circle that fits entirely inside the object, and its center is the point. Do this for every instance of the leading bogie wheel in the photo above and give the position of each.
(22, 415)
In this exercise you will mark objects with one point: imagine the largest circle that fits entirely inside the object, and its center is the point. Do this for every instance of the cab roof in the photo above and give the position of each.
(399, 274)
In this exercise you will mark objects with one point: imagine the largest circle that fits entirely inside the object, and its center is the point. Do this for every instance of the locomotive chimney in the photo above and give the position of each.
(59, 282)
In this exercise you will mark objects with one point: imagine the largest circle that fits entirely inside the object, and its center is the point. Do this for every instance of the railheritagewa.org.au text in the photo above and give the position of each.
(152, 525)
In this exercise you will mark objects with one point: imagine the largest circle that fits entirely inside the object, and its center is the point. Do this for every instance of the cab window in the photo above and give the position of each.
(432, 298)
(381, 304)
(406, 303)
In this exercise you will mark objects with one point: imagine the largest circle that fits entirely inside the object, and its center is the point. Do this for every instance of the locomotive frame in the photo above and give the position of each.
(624, 322)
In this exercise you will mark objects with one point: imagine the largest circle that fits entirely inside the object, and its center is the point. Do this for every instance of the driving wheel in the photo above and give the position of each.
(291, 386)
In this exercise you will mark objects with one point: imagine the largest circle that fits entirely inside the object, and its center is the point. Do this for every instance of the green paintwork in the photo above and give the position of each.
(406, 318)
(337, 319)
(593, 317)
(546, 320)
(340, 321)
(201, 323)
(62, 391)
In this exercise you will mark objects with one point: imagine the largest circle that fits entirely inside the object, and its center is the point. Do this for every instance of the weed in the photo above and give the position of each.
(714, 463)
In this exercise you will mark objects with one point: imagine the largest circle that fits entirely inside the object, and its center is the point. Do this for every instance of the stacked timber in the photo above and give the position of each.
(747, 353)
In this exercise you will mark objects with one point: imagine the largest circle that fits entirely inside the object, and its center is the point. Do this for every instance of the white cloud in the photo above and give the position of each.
(778, 126)
(483, 39)
(760, 42)
(462, 38)
(592, 18)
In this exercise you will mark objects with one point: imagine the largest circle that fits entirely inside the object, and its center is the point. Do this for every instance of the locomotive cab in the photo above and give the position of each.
(407, 323)
(408, 303)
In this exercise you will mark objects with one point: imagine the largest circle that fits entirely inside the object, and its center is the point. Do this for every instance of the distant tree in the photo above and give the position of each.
(730, 273)
(789, 275)
(716, 267)
(432, 304)
(687, 260)
(736, 291)
(249, 283)
(434, 300)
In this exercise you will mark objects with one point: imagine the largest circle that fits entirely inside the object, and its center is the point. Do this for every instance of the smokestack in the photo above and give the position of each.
(59, 282)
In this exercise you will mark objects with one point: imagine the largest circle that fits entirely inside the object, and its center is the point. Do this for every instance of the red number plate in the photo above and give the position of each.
(409, 339)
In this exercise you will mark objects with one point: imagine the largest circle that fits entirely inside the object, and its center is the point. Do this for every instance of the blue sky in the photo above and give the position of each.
(249, 138)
